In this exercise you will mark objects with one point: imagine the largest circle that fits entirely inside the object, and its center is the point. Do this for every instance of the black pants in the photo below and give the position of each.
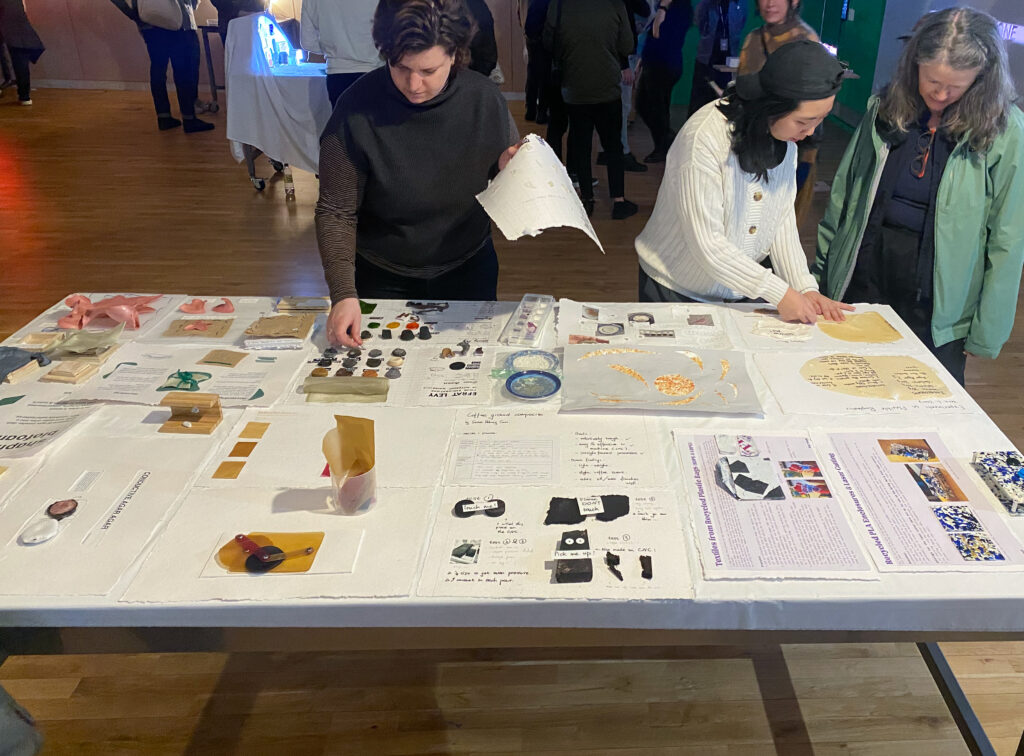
(538, 70)
(6, 72)
(558, 117)
(649, 290)
(20, 59)
(654, 100)
(338, 83)
(474, 280)
(886, 272)
(181, 49)
(606, 117)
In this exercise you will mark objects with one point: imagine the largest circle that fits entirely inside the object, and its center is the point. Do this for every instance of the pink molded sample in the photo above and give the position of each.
(224, 306)
(195, 307)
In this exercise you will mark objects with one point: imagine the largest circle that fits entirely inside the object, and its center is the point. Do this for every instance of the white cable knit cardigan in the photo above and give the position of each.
(713, 223)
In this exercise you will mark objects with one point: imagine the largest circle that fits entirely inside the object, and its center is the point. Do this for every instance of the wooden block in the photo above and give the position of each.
(71, 371)
(23, 373)
(191, 412)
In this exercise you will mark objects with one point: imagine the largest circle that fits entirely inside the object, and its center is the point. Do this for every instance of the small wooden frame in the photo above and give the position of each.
(191, 413)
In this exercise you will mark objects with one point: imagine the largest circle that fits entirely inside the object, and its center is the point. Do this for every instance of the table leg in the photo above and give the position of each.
(970, 728)
(209, 64)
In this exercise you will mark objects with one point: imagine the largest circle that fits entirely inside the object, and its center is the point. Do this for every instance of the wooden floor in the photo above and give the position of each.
(93, 197)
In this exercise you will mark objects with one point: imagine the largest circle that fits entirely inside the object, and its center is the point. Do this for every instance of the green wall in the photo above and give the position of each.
(857, 41)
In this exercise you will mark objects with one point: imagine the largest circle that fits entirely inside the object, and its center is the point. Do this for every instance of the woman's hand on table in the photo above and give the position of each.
(344, 322)
(509, 154)
(829, 309)
(797, 308)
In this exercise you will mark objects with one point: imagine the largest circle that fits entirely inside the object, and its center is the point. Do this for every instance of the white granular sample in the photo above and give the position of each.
(533, 362)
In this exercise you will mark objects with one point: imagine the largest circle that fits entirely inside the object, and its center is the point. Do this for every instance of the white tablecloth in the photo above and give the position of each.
(280, 110)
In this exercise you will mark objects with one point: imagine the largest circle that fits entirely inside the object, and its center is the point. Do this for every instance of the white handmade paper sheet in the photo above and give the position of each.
(28, 424)
(389, 551)
(512, 554)
(649, 323)
(762, 506)
(127, 479)
(282, 448)
(529, 447)
(797, 395)
(533, 193)
(138, 371)
(761, 328)
(917, 508)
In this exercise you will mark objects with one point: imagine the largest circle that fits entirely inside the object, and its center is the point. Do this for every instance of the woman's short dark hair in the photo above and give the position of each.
(412, 26)
(752, 141)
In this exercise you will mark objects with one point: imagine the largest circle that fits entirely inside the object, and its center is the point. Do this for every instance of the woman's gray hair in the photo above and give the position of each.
(961, 38)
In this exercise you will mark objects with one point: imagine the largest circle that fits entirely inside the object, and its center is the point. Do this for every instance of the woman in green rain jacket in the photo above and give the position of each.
(927, 207)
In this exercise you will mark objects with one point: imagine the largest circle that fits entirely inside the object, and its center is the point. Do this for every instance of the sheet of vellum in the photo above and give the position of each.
(514, 554)
(136, 373)
(655, 323)
(350, 449)
(665, 379)
(390, 537)
(410, 451)
(527, 447)
(127, 478)
(840, 384)
(876, 325)
(87, 342)
(534, 193)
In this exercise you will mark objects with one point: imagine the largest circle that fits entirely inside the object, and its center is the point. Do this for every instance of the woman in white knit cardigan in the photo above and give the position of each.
(726, 201)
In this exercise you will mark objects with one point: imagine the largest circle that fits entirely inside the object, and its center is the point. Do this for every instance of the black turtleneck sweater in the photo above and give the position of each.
(398, 180)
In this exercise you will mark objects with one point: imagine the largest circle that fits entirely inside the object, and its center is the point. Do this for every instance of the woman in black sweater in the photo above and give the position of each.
(402, 159)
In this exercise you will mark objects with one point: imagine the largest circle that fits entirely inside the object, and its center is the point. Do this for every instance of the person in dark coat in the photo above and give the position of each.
(22, 42)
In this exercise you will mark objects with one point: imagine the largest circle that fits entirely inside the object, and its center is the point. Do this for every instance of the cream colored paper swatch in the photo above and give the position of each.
(865, 328)
(900, 378)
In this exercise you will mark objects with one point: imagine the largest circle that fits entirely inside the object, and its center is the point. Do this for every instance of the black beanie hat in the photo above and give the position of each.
(801, 70)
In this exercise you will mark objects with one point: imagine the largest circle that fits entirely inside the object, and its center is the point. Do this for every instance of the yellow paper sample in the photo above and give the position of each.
(254, 430)
(864, 327)
(231, 557)
(898, 377)
(229, 470)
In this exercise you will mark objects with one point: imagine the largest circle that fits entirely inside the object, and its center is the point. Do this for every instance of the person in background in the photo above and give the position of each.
(726, 201)
(926, 207)
(538, 62)
(782, 24)
(22, 42)
(340, 31)
(179, 47)
(720, 23)
(394, 220)
(483, 49)
(638, 12)
(660, 68)
(229, 10)
(589, 39)
(6, 71)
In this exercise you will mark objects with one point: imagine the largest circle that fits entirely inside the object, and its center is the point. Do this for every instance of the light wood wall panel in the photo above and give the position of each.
(92, 41)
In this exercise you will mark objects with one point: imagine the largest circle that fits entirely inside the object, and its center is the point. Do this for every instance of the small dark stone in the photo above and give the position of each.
(353, 353)
(393, 373)
(457, 365)
(398, 352)
(407, 336)
(375, 362)
(349, 363)
(365, 335)
(374, 353)
(325, 362)
(344, 373)
(425, 332)
(385, 334)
